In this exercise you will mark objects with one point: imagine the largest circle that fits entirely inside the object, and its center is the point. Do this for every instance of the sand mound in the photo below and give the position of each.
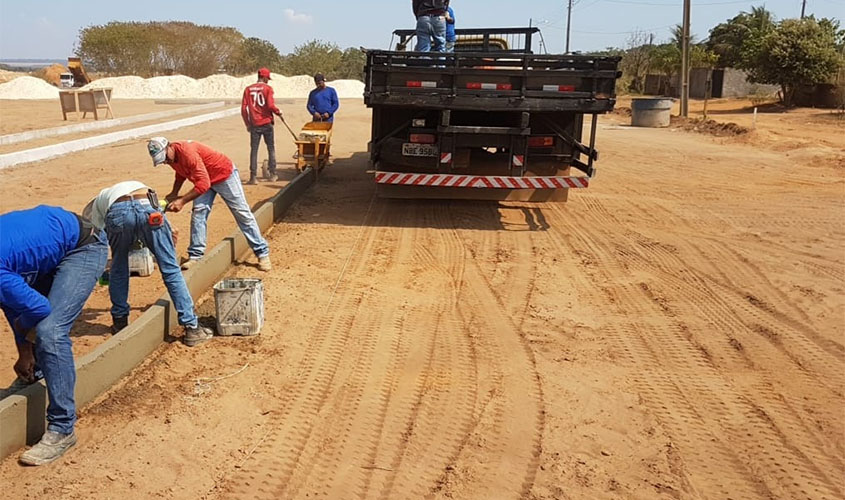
(215, 87)
(6, 75)
(710, 127)
(28, 87)
(51, 74)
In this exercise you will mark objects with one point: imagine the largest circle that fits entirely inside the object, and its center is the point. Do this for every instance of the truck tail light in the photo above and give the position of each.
(541, 142)
(423, 138)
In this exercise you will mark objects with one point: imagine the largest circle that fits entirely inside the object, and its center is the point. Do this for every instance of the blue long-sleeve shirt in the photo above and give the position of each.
(450, 27)
(323, 101)
(32, 244)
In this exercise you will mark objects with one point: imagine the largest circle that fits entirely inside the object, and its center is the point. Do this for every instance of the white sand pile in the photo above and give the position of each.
(28, 87)
(216, 87)
(180, 87)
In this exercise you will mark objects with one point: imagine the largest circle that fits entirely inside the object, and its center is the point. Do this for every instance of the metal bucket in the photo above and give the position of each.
(651, 111)
(240, 306)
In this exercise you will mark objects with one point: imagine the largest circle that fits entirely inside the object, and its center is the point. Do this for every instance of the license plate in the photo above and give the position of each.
(414, 149)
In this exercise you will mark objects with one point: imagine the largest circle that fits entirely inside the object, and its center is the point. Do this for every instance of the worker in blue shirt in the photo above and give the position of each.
(50, 260)
(451, 37)
(322, 101)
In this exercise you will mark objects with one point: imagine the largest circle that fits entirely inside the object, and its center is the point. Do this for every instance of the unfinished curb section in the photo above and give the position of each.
(99, 125)
(47, 152)
(22, 416)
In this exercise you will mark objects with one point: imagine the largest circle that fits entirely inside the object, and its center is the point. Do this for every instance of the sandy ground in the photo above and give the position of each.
(39, 114)
(49, 182)
(675, 331)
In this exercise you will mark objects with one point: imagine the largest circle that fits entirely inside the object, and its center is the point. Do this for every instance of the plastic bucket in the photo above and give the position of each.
(239, 303)
(651, 112)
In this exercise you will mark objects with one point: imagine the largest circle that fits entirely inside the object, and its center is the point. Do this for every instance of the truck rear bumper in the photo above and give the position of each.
(480, 181)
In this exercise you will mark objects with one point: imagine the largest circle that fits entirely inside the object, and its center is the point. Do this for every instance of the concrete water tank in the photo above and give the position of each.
(651, 111)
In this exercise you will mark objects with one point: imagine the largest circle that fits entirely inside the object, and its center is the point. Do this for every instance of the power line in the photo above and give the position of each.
(632, 2)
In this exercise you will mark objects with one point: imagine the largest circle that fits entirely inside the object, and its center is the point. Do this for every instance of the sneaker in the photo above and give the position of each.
(252, 181)
(196, 335)
(18, 385)
(264, 264)
(118, 324)
(52, 446)
(273, 177)
(189, 263)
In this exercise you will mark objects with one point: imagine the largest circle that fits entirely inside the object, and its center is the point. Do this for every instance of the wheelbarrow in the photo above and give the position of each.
(313, 145)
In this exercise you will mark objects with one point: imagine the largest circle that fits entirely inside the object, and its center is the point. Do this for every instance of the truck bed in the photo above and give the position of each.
(491, 81)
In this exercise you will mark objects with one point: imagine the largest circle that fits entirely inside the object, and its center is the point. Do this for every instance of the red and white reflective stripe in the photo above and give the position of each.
(417, 84)
(445, 157)
(559, 88)
(481, 181)
(518, 160)
(489, 86)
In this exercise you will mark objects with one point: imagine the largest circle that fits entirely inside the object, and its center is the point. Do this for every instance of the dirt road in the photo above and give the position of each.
(675, 331)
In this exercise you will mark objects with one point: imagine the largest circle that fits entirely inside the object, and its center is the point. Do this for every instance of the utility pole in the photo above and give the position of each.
(685, 61)
(803, 8)
(569, 23)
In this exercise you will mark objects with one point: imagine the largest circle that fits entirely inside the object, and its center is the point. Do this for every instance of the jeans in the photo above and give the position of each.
(255, 135)
(232, 193)
(126, 223)
(67, 289)
(431, 28)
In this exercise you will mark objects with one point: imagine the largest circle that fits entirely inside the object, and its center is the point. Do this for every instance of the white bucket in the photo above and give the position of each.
(240, 306)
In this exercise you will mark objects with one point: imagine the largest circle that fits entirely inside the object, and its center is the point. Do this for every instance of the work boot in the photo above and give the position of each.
(17, 385)
(196, 335)
(189, 263)
(264, 264)
(252, 181)
(118, 324)
(52, 446)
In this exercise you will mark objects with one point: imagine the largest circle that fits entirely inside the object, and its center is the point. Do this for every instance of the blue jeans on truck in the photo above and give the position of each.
(126, 223)
(431, 28)
(67, 289)
(232, 193)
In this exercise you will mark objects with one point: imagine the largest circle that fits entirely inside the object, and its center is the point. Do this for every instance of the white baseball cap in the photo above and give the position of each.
(157, 147)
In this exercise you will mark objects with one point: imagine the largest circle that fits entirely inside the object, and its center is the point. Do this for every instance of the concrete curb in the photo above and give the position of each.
(99, 125)
(46, 152)
(22, 416)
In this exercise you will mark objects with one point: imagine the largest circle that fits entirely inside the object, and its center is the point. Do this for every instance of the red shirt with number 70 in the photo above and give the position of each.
(257, 105)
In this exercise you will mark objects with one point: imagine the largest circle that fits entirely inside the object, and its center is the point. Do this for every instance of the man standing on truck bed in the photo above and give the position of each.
(451, 37)
(212, 173)
(257, 110)
(322, 101)
(431, 24)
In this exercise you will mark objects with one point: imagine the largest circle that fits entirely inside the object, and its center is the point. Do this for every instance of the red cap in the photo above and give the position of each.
(264, 73)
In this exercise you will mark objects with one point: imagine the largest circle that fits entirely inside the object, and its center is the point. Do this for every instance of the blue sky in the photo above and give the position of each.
(49, 28)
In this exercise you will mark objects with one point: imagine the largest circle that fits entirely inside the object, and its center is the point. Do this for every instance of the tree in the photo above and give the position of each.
(637, 60)
(315, 56)
(257, 53)
(737, 41)
(797, 52)
(351, 64)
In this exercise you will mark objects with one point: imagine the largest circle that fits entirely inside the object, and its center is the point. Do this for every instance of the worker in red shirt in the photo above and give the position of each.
(257, 110)
(211, 173)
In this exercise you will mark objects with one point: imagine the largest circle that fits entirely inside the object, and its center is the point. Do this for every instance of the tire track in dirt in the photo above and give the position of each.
(804, 431)
(267, 472)
(501, 457)
(730, 405)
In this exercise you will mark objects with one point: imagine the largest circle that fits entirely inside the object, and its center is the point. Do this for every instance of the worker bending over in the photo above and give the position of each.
(129, 212)
(50, 260)
(211, 173)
